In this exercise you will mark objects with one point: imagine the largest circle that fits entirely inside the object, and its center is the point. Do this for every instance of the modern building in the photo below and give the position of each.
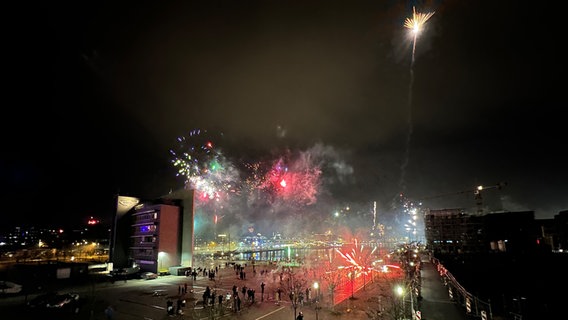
(452, 231)
(153, 235)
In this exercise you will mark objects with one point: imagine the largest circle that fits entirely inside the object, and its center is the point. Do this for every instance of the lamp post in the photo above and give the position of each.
(401, 292)
(411, 300)
(316, 288)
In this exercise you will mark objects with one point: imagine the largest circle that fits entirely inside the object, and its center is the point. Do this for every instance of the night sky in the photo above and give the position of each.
(96, 94)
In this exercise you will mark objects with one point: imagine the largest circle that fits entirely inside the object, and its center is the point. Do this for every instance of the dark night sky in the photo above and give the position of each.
(97, 92)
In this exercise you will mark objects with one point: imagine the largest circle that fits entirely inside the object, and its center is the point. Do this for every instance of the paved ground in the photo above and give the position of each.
(146, 300)
(375, 298)
(436, 303)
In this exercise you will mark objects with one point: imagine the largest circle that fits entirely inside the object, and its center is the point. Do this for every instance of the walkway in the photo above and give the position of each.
(436, 303)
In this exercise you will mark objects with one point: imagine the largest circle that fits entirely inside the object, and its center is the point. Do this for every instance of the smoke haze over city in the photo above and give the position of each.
(331, 92)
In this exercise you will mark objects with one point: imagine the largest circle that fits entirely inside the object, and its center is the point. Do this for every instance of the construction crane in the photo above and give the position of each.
(478, 198)
(476, 193)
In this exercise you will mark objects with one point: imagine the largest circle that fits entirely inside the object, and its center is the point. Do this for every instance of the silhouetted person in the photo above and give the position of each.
(279, 292)
(170, 307)
(262, 291)
(109, 312)
(178, 306)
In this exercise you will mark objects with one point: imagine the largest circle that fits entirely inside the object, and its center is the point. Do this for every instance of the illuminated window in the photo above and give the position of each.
(148, 228)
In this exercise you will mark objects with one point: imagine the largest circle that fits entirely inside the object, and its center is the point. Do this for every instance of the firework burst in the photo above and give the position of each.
(416, 23)
(359, 257)
(193, 154)
(204, 167)
(293, 180)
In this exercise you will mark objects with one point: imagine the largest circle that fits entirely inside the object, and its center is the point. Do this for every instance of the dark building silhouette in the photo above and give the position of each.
(452, 231)
(559, 232)
(513, 232)
(510, 260)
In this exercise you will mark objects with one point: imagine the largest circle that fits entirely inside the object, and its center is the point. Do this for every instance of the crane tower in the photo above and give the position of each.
(477, 193)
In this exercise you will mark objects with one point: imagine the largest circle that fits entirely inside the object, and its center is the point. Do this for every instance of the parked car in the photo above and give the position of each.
(63, 300)
(8, 287)
(54, 300)
(41, 301)
(148, 275)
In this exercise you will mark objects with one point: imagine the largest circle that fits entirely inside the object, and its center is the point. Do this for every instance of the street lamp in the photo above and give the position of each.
(401, 292)
(411, 299)
(316, 288)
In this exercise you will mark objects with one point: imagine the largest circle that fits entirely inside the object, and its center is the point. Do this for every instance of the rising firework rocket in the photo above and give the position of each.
(415, 24)
(374, 214)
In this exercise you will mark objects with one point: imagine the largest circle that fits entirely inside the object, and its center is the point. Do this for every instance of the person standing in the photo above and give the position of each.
(170, 307)
(238, 304)
(109, 312)
(262, 291)
(178, 306)
(300, 316)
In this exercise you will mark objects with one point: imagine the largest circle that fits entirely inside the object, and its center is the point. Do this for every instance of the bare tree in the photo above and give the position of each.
(387, 305)
(332, 276)
(295, 287)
